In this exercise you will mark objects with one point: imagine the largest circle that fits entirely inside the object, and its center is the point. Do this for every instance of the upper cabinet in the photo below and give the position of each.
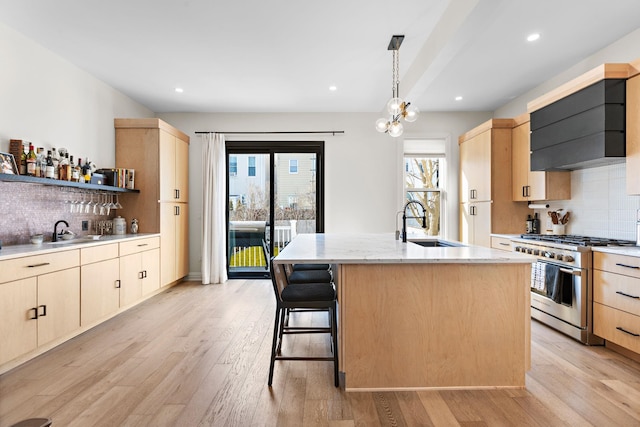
(633, 135)
(174, 180)
(533, 185)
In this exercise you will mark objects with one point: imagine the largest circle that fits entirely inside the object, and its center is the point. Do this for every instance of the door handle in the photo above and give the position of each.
(35, 313)
(44, 310)
(627, 295)
(117, 283)
(627, 332)
(573, 272)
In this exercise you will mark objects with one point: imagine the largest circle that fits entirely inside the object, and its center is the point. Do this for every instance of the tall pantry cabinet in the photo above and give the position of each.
(485, 184)
(159, 153)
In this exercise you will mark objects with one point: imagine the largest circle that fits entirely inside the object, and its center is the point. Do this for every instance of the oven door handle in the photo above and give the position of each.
(573, 272)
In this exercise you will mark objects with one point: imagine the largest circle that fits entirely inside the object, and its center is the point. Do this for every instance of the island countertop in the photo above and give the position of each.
(384, 249)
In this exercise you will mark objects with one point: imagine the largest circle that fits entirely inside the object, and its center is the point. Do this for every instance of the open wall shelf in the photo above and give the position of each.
(58, 183)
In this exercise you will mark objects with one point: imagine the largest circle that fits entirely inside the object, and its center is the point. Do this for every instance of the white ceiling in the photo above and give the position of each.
(282, 55)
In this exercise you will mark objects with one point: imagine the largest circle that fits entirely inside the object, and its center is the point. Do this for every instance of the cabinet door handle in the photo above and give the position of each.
(627, 332)
(118, 284)
(176, 194)
(44, 310)
(627, 295)
(143, 244)
(176, 210)
(505, 244)
(35, 313)
(627, 266)
(140, 275)
(42, 264)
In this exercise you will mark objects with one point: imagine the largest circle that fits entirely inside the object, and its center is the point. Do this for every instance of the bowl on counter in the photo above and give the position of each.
(37, 239)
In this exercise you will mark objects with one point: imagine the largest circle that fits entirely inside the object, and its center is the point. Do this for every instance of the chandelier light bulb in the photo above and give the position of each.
(396, 129)
(410, 114)
(394, 106)
(382, 125)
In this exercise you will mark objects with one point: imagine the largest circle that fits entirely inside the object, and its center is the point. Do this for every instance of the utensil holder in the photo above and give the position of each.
(558, 229)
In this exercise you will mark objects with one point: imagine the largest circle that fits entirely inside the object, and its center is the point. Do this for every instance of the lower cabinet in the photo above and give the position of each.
(174, 224)
(139, 269)
(47, 298)
(616, 299)
(38, 310)
(502, 243)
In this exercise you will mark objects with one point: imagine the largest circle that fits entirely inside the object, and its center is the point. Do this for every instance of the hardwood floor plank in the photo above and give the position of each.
(199, 355)
(439, 412)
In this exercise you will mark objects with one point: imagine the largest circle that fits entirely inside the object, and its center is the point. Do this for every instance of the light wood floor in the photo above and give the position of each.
(199, 355)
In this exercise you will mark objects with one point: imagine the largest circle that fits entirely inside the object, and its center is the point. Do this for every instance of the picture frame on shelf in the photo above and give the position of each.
(8, 164)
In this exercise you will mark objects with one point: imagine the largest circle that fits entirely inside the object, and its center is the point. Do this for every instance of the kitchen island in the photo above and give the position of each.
(414, 317)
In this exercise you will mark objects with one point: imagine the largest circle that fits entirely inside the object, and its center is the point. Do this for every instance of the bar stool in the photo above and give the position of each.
(302, 296)
(307, 275)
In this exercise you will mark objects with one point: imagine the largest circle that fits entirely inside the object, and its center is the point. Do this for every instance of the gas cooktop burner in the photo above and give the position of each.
(571, 239)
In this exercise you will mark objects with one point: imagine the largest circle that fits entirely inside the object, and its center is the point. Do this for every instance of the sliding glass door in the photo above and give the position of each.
(274, 192)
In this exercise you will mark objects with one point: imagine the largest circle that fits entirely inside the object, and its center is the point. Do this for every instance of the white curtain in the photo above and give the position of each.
(214, 259)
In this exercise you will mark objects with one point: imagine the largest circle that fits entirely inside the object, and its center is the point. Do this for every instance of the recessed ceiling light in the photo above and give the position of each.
(458, 98)
(533, 37)
(179, 90)
(333, 88)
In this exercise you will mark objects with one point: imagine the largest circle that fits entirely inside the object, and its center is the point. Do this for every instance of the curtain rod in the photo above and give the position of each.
(333, 132)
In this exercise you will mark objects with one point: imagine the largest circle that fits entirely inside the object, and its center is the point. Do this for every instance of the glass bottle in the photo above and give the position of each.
(41, 165)
(56, 163)
(31, 161)
(63, 168)
(23, 161)
(49, 168)
(79, 170)
(74, 171)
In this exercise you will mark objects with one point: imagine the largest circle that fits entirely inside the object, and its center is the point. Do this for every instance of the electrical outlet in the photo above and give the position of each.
(85, 225)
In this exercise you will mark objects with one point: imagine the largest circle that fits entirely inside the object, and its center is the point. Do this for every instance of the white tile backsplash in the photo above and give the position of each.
(599, 205)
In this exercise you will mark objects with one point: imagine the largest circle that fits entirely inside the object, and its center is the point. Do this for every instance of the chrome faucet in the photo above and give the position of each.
(404, 217)
(55, 230)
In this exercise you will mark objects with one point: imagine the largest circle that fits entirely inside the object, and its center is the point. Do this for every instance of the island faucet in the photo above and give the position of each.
(404, 217)
(55, 230)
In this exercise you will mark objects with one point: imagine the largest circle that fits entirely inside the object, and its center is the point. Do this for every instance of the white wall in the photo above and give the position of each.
(362, 167)
(52, 103)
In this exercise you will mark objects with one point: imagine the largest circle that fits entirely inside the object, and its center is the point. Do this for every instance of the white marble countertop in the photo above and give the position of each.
(383, 248)
(619, 250)
(17, 251)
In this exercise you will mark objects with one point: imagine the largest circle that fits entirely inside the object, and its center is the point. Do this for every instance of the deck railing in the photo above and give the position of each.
(242, 255)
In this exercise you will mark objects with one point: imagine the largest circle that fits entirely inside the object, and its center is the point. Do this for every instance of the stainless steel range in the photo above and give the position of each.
(561, 281)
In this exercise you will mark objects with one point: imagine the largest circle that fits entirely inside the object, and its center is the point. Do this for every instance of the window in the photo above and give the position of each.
(252, 166)
(233, 166)
(293, 201)
(313, 164)
(293, 166)
(424, 163)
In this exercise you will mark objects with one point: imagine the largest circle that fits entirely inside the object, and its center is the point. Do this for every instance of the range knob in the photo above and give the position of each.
(549, 254)
(529, 250)
(568, 258)
(536, 252)
(559, 257)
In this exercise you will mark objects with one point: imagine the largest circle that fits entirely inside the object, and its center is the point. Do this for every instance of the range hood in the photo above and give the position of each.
(584, 129)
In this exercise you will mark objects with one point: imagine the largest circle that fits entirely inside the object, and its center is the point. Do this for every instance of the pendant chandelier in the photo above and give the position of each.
(397, 107)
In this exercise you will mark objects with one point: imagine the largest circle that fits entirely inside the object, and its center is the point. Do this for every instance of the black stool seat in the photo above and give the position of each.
(303, 267)
(34, 422)
(310, 276)
(308, 292)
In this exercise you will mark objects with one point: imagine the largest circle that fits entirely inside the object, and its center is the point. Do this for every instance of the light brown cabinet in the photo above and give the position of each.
(99, 283)
(633, 135)
(485, 184)
(159, 154)
(531, 185)
(42, 305)
(616, 299)
(139, 269)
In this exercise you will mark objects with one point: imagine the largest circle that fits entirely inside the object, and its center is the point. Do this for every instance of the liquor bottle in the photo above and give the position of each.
(56, 163)
(74, 171)
(86, 170)
(64, 172)
(31, 161)
(79, 170)
(49, 168)
(41, 162)
(23, 161)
